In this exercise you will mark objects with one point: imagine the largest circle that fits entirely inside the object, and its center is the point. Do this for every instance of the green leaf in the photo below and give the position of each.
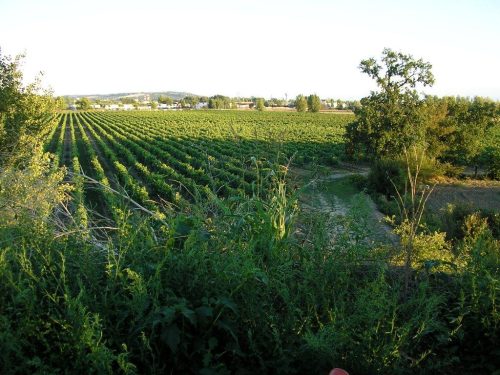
(171, 336)
(226, 302)
(204, 311)
(168, 314)
(189, 314)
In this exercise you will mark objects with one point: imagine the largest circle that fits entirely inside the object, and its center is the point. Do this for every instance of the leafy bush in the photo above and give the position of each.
(452, 220)
(226, 287)
(385, 176)
(493, 163)
(359, 181)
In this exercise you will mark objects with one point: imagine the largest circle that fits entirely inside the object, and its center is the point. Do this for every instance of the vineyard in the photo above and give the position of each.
(181, 157)
(184, 249)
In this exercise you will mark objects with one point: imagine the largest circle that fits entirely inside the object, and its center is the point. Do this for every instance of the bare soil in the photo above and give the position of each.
(67, 161)
(481, 197)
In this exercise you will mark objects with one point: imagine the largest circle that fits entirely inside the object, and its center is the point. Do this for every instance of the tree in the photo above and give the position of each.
(61, 103)
(471, 119)
(192, 101)
(165, 100)
(259, 104)
(456, 127)
(30, 187)
(313, 103)
(219, 102)
(390, 120)
(300, 103)
(24, 113)
(83, 104)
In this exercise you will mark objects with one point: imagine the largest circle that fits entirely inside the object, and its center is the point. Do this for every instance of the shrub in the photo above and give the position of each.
(452, 219)
(359, 181)
(384, 173)
(493, 163)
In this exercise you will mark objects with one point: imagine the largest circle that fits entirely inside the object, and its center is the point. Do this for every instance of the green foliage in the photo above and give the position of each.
(219, 102)
(222, 283)
(24, 114)
(259, 104)
(472, 119)
(165, 100)
(226, 287)
(452, 129)
(389, 174)
(452, 220)
(491, 158)
(61, 103)
(390, 120)
(313, 103)
(475, 313)
(30, 194)
(458, 128)
(300, 103)
(83, 104)
(382, 173)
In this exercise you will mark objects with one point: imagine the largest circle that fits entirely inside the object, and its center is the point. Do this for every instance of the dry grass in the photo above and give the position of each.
(482, 196)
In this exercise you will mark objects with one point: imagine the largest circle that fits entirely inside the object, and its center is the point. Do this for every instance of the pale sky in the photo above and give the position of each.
(254, 47)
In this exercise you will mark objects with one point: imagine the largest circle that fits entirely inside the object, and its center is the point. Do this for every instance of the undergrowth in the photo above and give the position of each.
(229, 288)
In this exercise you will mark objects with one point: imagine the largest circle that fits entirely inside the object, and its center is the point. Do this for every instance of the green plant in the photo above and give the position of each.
(411, 203)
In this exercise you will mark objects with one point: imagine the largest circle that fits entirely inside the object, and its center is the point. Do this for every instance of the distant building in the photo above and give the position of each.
(244, 105)
(201, 105)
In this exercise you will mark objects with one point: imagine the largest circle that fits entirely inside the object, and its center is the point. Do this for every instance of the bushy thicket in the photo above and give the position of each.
(227, 288)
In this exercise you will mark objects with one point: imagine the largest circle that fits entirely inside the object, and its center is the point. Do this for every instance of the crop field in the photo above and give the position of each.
(179, 157)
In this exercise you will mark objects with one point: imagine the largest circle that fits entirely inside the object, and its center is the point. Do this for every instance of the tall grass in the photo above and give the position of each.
(227, 287)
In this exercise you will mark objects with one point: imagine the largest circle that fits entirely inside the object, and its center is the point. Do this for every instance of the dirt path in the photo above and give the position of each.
(325, 195)
(66, 159)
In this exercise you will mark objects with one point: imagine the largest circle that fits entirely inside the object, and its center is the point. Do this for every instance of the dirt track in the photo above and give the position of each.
(321, 198)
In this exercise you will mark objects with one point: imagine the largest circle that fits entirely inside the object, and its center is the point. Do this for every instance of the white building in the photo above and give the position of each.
(201, 105)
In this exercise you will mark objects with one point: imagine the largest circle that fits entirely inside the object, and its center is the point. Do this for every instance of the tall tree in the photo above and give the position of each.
(313, 103)
(470, 120)
(300, 103)
(390, 120)
(259, 104)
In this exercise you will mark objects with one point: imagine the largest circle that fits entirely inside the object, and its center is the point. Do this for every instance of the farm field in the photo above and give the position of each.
(184, 247)
(219, 188)
(179, 157)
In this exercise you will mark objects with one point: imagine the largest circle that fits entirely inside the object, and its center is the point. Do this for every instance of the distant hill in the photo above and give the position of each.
(176, 95)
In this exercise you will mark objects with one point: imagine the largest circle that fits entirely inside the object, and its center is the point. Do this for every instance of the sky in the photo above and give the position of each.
(250, 48)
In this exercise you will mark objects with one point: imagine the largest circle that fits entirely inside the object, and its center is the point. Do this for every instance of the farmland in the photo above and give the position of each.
(178, 157)
(218, 241)
(184, 248)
